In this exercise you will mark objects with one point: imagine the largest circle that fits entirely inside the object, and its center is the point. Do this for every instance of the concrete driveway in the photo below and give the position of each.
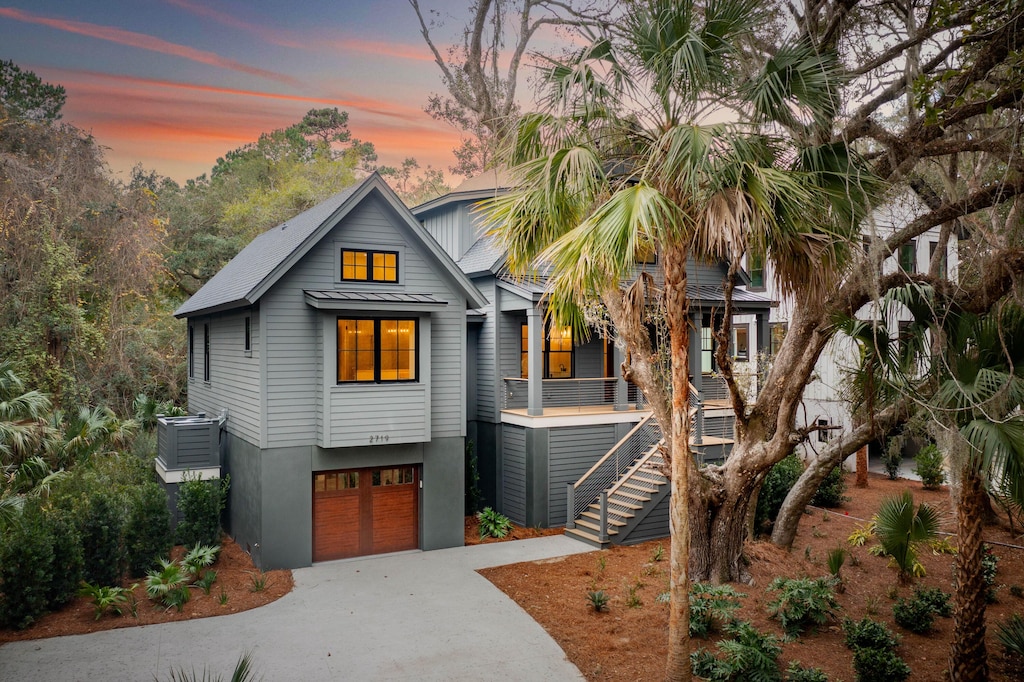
(408, 616)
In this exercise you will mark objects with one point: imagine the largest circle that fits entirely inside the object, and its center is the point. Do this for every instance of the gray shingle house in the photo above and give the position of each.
(336, 343)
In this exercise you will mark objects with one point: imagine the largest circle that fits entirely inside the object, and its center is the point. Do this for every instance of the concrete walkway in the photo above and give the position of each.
(408, 616)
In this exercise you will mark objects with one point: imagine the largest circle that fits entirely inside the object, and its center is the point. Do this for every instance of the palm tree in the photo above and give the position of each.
(22, 418)
(623, 160)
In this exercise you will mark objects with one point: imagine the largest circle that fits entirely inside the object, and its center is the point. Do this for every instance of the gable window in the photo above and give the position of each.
(559, 354)
(741, 342)
(908, 257)
(191, 352)
(369, 266)
(755, 268)
(823, 434)
(248, 334)
(206, 352)
(378, 351)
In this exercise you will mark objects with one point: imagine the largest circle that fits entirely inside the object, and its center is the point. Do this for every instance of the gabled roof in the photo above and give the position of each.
(269, 256)
(488, 184)
(484, 256)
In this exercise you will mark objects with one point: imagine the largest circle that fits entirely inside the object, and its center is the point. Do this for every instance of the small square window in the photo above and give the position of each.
(369, 266)
(823, 435)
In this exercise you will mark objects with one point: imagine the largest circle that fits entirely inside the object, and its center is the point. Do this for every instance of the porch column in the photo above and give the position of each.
(535, 362)
(762, 344)
(621, 389)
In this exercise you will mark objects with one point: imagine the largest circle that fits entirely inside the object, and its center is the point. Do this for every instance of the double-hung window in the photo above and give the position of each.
(377, 350)
(369, 266)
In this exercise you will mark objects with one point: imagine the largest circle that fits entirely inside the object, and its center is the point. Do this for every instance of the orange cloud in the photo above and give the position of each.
(144, 42)
(370, 105)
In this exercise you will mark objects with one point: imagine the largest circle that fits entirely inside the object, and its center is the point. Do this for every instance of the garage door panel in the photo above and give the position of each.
(336, 526)
(394, 519)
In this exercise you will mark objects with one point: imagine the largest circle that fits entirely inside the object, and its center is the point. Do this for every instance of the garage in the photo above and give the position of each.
(365, 511)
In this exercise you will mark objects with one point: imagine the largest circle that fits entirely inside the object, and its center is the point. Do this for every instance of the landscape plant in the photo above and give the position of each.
(493, 524)
(777, 482)
(874, 655)
(598, 600)
(802, 602)
(168, 584)
(900, 527)
(893, 457)
(936, 599)
(831, 491)
(914, 614)
(101, 527)
(200, 504)
(797, 673)
(26, 569)
(711, 606)
(989, 570)
(147, 530)
(746, 655)
(68, 556)
(1011, 635)
(106, 598)
(930, 467)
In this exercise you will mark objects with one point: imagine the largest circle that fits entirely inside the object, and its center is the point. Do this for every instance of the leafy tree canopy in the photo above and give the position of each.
(25, 96)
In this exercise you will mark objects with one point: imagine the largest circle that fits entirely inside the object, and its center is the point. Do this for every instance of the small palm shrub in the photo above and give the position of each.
(199, 557)
(900, 527)
(200, 504)
(930, 467)
(802, 602)
(167, 584)
(105, 599)
(915, 615)
(746, 655)
(797, 673)
(831, 491)
(243, 672)
(493, 524)
(777, 484)
(1011, 635)
(598, 600)
(711, 604)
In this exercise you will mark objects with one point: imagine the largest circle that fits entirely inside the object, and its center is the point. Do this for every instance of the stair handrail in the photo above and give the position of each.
(642, 460)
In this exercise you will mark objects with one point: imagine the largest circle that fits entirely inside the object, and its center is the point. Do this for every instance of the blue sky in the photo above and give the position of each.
(174, 84)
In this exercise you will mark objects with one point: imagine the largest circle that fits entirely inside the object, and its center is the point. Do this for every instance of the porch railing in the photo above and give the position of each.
(615, 462)
(577, 393)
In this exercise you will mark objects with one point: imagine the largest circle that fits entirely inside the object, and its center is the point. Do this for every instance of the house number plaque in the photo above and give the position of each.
(379, 438)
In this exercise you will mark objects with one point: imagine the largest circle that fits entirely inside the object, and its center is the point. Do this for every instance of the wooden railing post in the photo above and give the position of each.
(603, 533)
(698, 427)
(570, 505)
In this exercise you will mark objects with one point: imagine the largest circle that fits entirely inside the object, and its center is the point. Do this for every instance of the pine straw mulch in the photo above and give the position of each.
(631, 643)
(236, 578)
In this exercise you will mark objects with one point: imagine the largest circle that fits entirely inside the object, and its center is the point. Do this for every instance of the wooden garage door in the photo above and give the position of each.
(365, 511)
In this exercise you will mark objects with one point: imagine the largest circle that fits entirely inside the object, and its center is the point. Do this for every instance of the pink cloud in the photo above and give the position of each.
(144, 42)
(268, 34)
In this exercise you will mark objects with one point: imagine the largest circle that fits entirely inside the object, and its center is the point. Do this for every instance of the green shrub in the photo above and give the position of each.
(200, 504)
(937, 600)
(900, 527)
(105, 599)
(166, 583)
(869, 634)
(199, 557)
(915, 615)
(746, 655)
(830, 492)
(930, 467)
(797, 673)
(879, 665)
(68, 557)
(710, 603)
(776, 486)
(893, 457)
(1011, 635)
(206, 581)
(101, 526)
(26, 569)
(802, 602)
(493, 524)
(147, 531)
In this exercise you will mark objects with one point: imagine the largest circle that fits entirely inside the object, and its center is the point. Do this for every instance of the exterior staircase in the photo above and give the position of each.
(622, 498)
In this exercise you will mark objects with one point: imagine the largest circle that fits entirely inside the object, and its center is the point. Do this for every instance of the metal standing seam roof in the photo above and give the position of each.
(374, 297)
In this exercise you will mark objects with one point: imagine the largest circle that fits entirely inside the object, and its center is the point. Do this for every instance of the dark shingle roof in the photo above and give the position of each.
(484, 256)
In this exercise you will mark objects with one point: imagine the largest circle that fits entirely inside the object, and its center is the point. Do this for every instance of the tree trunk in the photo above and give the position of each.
(967, 657)
(799, 496)
(719, 528)
(862, 467)
(677, 306)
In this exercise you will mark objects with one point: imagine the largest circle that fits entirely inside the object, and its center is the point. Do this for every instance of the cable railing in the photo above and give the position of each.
(578, 393)
(615, 462)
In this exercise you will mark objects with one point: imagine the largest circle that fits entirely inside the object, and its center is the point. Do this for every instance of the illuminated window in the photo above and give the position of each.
(558, 354)
(777, 331)
(377, 350)
(741, 342)
(369, 266)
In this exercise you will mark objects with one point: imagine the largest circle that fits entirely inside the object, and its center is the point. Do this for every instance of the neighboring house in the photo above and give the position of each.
(546, 407)
(823, 401)
(336, 343)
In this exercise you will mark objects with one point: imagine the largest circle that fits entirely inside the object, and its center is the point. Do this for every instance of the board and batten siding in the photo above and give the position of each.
(299, 369)
(450, 227)
(234, 373)
(571, 452)
(513, 490)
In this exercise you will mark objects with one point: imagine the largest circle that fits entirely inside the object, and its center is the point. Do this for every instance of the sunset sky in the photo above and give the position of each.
(174, 84)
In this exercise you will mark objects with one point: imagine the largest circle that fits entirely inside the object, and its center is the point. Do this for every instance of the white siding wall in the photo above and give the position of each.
(234, 374)
(300, 367)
